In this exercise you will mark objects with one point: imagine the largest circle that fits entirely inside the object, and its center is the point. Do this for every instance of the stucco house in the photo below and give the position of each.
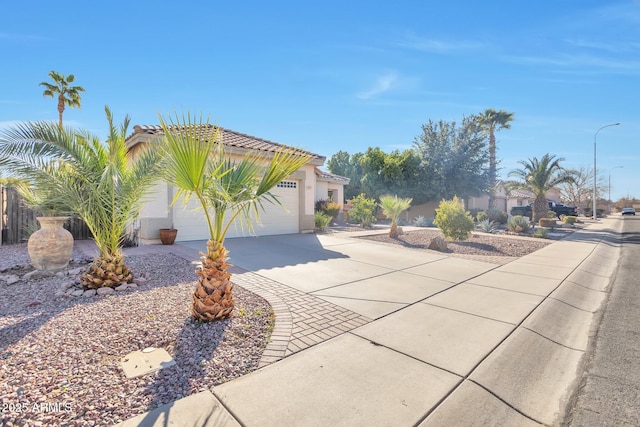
(297, 194)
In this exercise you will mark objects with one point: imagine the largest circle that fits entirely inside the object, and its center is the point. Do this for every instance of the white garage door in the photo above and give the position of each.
(275, 219)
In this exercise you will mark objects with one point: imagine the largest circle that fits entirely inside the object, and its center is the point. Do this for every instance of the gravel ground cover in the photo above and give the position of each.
(481, 244)
(60, 356)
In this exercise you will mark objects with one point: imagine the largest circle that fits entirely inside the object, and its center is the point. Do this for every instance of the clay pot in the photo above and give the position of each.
(50, 248)
(168, 235)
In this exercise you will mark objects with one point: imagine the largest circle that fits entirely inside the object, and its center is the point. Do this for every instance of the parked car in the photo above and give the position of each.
(628, 211)
(558, 208)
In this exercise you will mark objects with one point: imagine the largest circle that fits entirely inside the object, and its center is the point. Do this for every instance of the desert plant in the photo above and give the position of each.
(519, 224)
(496, 215)
(487, 226)
(362, 210)
(547, 222)
(195, 163)
(551, 214)
(481, 216)
(332, 210)
(570, 220)
(322, 220)
(454, 222)
(392, 207)
(541, 233)
(421, 221)
(99, 181)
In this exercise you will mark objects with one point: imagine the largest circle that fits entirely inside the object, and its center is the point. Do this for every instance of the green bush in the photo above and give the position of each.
(487, 226)
(570, 220)
(551, 214)
(362, 210)
(322, 220)
(519, 224)
(481, 216)
(454, 222)
(497, 215)
(541, 233)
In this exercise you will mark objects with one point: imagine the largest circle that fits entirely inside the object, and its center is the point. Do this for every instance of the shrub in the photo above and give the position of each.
(541, 233)
(570, 220)
(321, 206)
(547, 222)
(487, 226)
(423, 222)
(519, 224)
(551, 214)
(333, 209)
(322, 220)
(362, 210)
(454, 222)
(481, 216)
(497, 215)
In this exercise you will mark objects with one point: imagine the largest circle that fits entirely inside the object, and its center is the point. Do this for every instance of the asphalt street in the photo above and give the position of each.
(609, 391)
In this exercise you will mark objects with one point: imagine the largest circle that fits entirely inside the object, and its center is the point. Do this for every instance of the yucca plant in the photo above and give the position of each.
(228, 190)
(392, 207)
(99, 181)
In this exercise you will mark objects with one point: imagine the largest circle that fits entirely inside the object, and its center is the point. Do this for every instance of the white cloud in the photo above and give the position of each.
(383, 83)
(412, 41)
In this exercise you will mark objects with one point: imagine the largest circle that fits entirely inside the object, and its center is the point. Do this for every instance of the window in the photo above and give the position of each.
(287, 184)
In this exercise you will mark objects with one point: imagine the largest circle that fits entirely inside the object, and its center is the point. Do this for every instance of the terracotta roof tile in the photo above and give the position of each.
(229, 137)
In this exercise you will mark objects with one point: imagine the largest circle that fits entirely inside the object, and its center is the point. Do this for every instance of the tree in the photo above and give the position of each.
(377, 173)
(580, 191)
(493, 121)
(392, 207)
(539, 176)
(67, 95)
(453, 158)
(227, 190)
(98, 181)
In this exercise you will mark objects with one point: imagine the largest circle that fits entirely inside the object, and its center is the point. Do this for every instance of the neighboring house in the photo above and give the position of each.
(297, 194)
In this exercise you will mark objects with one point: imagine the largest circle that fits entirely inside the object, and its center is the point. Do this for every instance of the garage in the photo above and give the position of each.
(276, 219)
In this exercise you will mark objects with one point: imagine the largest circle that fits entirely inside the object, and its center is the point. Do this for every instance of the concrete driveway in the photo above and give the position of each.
(453, 341)
(367, 278)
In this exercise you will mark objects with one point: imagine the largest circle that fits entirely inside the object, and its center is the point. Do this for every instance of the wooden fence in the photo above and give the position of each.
(18, 221)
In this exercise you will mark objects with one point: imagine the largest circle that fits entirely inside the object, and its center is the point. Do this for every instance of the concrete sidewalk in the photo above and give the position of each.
(442, 341)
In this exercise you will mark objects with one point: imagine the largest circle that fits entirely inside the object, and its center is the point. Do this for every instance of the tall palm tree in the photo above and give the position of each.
(493, 121)
(392, 207)
(67, 95)
(98, 181)
(540, 176)
(228, 190)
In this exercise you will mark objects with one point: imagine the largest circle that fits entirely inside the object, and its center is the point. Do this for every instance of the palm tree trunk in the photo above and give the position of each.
(213, 297)
(540, 208)
(60, 108)
(492, 170)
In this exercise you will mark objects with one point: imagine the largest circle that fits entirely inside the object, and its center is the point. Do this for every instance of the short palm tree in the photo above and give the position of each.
(392, 207)
(228, 190)
(540, 176)
(67, 95)
(493, 121)
(98, 181)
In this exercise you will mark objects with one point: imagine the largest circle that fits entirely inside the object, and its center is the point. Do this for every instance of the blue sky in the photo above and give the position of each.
(344, 75)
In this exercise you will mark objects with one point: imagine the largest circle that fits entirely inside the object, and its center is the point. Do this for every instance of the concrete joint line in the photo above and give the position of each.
(505, 402)
(553, 341)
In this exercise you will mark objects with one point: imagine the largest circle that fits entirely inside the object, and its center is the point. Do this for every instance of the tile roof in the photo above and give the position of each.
(331, 177)
(229, 137)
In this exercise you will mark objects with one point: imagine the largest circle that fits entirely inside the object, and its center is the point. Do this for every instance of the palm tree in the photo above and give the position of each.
(540, 176)
(67, 95)
(392, 207)
(195, 163)
(493, 121)
(98, 181)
